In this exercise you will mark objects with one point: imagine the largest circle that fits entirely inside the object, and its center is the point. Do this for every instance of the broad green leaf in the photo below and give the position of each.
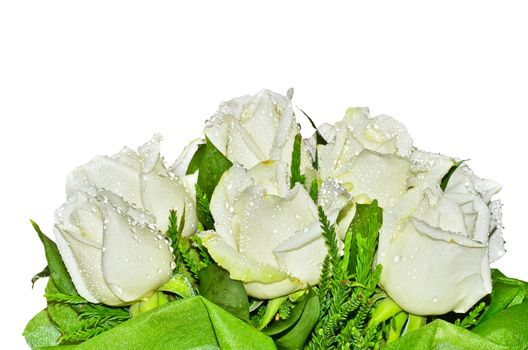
(40, 331)
(508, 327)
(232, 333)
(218, 287)
(440, 334)
(506, 292)
(213, 165)
(296, 336)
(192, 323)
(56, 266)
(196, 160)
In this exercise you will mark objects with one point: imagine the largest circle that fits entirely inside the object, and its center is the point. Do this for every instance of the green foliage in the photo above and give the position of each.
(285, 309)
(42, 274)
(472, 317)
(445, 179)
(296, 176)
(314, 190)
(189, 254)
(440, 334)
(212, 167)
(94, 320)
(319, 139)
(218, 287)
(507, 327)
(196, 160)
(295, 337)
(346, 298)
(506, 292)
(57, 270)
(202, 209)
(192, 323)
(40, 331)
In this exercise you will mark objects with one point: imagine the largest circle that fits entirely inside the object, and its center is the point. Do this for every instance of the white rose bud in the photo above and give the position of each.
(142, 180)
(251, 129)
(113, 252)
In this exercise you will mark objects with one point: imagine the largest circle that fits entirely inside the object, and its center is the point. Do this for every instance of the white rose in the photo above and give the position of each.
(268, 235)
(251, 129)
(435, 246)
(113, 252)
(367, 155)
(142, 180)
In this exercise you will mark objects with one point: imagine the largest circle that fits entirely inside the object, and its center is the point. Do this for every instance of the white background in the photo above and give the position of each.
(82, 79)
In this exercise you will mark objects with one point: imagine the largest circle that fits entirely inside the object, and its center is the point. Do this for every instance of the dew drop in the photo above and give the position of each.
(397, 259)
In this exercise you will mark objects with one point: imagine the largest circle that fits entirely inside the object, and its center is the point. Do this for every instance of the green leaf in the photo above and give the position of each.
(319, 139)
(57, 269)
(191, 323)
(282, 325)
(440, 334)
(202, 209)
(365, 228)
(218, 287)
(40, 331)
(196, 160)
(42, 274)
(296, 336)
(213, 165)
(508, 327)
(445, 179)
(506, 292)
(296, 175)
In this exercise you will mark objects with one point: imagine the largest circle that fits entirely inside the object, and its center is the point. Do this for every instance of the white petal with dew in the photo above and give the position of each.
(136, 259)
(454, 280)
(240, 266)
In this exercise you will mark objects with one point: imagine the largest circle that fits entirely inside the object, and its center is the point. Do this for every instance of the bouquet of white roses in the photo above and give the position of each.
(256, 238)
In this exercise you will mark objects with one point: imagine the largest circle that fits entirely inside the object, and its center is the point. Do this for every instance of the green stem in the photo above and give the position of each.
(385, 309)
(413, 323)
(271, 311)
(396, 325)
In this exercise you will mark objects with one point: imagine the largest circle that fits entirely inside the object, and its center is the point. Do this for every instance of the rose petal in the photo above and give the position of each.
(136, 259)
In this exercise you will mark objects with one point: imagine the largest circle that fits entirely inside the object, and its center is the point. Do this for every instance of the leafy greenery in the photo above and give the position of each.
(295, 337)
(445, 179)
(507, 327)
(472, 317)
(42, 274)
(506, 292)
(190, 323)
(57, 270)
(40, 331)
(440, 334)
(212, 167)
(202, 209)
(346, 297)
(319, 139)
(196, 160)
(218, 287)
(296, 176)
